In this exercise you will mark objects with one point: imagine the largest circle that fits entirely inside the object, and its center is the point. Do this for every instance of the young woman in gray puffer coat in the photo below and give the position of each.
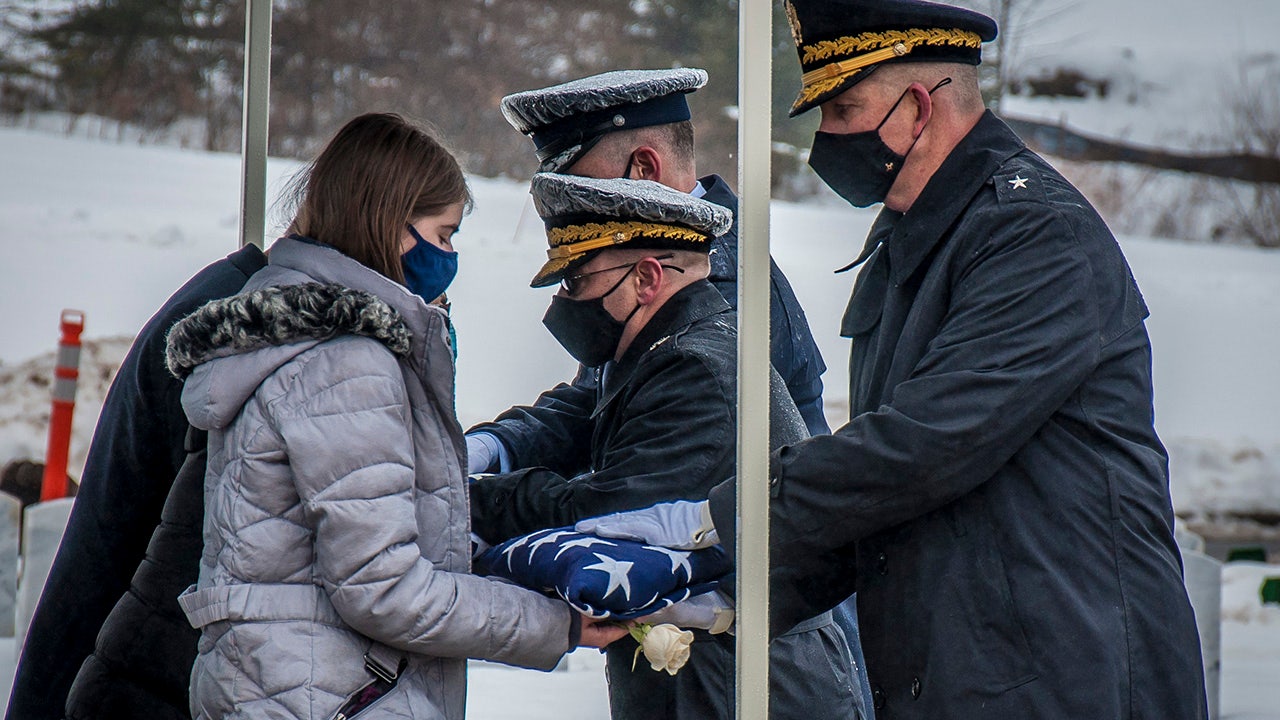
(335, 575)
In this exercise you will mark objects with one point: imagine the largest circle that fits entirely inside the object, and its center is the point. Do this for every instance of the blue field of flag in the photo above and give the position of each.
(605, 578)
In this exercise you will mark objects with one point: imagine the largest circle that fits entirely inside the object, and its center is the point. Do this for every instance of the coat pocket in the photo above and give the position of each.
(367, 697)
(1002, 657)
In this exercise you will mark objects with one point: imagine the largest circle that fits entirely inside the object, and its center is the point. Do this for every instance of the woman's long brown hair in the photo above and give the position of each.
(378, 172)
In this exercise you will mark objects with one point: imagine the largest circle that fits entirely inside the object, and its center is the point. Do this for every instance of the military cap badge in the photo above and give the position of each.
(584, 215)
(845, 40)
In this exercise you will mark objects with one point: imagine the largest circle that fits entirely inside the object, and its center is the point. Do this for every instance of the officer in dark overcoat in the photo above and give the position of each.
(999, 497)
(634, 300)
(637, 124)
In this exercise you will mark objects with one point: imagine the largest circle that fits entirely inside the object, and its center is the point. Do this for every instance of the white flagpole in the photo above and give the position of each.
(755, 25)
(253, 141)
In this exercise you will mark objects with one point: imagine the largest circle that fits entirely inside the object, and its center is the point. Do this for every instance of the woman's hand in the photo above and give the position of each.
(599, 633)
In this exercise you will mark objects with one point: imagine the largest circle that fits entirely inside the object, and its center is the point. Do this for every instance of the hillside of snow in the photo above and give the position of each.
(112, 229)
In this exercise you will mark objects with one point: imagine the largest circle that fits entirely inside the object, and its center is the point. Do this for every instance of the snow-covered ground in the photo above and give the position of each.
(112, 229)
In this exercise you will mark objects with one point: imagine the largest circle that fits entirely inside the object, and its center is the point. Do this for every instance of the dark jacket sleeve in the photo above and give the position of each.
(792, 350)
(799, 588)
(794, 353)
(136, 452)
(673, 440)
(554, 432)
(1020, 336)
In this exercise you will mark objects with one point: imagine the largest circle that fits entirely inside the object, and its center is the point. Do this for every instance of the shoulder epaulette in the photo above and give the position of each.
(1018, 182)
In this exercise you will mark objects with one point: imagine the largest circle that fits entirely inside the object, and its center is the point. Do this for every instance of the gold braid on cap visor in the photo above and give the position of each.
(571, 242)
(883, 46)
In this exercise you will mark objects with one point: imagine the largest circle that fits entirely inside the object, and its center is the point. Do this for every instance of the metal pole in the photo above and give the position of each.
(755, 27)
(253, 144)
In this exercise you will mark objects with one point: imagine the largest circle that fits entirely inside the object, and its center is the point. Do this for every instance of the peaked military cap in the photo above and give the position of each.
(565, 121)
(840, 42)
(585, 215)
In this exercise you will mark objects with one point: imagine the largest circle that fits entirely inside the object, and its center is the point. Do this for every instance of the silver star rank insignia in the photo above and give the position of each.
(1018, 182)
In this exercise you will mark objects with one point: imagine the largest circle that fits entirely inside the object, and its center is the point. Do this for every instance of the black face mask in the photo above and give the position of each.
(860, 167)
(585, 328)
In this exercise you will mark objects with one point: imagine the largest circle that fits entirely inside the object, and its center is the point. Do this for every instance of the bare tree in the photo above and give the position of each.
(1017, 21)
(1254, 123)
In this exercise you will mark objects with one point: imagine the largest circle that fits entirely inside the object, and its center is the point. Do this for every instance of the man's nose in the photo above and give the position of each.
(829, 124)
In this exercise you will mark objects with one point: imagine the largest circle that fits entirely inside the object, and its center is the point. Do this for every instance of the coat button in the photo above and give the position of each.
(882, 564)
(915, 687)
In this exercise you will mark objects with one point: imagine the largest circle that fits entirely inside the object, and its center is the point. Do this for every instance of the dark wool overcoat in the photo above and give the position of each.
(661, 427)
(999, 498)
(136, 452)
(792, 349)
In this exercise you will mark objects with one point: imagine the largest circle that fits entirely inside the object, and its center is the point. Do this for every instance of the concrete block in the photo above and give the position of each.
(42, 530)
(10, 522)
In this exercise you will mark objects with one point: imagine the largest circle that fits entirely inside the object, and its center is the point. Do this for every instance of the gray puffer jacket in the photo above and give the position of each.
(336, 515)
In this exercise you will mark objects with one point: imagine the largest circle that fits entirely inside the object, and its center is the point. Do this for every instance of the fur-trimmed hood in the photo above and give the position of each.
(280, 316)
(308, 294)
(233, 344)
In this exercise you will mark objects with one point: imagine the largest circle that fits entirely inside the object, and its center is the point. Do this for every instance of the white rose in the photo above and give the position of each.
(666, 647)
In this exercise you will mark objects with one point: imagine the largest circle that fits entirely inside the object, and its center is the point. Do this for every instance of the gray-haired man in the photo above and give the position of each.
(631, 260)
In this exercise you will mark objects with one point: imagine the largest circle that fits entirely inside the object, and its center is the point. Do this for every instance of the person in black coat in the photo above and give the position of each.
(637, 124)
(137, 451)
(999, 497)
(659, 426)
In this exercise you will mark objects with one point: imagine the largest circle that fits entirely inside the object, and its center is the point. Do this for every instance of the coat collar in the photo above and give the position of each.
(969, 166)
(327, 265)
(718, 192)
(693, 303)
(724, 249)
(429, 356)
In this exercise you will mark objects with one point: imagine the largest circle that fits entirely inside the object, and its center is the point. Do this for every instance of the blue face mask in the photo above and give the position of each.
(428, 270)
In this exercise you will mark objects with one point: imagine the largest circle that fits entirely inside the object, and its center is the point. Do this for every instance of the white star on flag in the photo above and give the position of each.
(1018, 182)
(511, 551)
(617, 571)
(583, 542)
(678, 559)
(547, 539)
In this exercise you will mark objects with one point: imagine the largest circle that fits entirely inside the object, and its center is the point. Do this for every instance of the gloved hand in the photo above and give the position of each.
(480, 454)
(708, 611)
(680, 525)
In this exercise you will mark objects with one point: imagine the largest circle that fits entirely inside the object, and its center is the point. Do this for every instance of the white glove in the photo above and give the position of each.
(680, 525)
(708, 611)
(481, 452)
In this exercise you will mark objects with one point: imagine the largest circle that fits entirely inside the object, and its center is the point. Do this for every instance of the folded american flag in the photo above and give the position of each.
(604, 578)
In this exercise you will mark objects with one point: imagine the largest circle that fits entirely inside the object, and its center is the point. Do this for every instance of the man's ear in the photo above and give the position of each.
(649, 279)
(924, 107)
(646, 164)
